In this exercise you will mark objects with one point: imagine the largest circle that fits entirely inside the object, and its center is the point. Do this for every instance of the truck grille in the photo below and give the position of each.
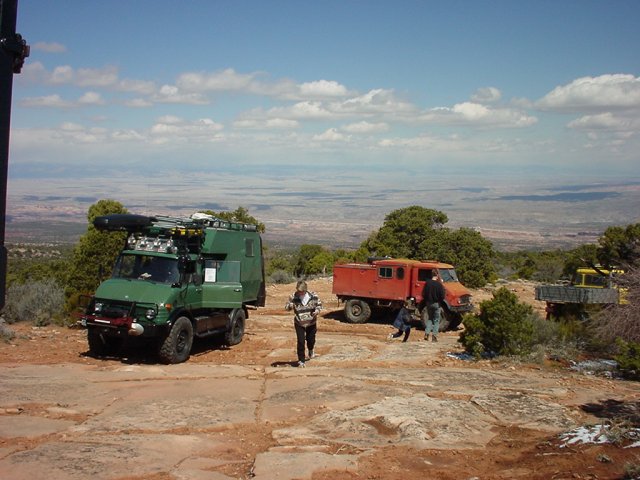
(115, 311)
(465, 299)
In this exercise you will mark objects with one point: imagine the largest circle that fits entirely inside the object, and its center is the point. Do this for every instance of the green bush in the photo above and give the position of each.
(6, 334)
(504, 327)
(632, 470)
(628, 359)
(281, 276)
(552, 340)
(38, 302)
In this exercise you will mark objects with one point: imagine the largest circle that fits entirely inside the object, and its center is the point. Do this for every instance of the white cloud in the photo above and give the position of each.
(475, 114)
(91, 98)
(171, 128)
(32, 72)
(600, 121)
(141, 87)
(47, 101)
(138, 103)
(299, 111)
(55, 101)
(609, 131)
(606, 92)
(61, 75)
(66, 75)
(366, 127)
(171, 120)
(224, 80)
(266, 124)
(96, 77)
(71, 127)
(331, 135)
(322, 88)
(486, 95)
(375, 101)
(471, 111)
(256, 83)
(106, 77)
(172, 94)
(49, 47)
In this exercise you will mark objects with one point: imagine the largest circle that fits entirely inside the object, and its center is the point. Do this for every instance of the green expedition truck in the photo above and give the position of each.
(175, 279)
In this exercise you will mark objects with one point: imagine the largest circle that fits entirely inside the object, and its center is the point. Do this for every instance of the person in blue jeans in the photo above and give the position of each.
(433, 296)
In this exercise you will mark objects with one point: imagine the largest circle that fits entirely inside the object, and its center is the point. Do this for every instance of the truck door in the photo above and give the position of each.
(215, 294)
(390, 282)
(418, 277)
(221, 287)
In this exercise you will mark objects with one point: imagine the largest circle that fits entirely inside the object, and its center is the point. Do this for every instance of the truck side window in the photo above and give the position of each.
(210, 271)
(424, 274)
(248, 247)
(217, 271)
(385, 272)
(400, 273)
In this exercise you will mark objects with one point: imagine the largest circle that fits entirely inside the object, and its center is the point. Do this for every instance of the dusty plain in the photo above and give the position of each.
(366, 408)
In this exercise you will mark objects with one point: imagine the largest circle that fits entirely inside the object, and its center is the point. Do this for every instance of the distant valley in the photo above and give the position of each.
(340, 211)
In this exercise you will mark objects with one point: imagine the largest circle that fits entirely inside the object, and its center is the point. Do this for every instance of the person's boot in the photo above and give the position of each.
(406, 336)
(434, 338)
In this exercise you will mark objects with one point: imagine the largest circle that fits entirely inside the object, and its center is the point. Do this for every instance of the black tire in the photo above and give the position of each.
(449, 320)
(235, 331)
(456, 321)
(357, 311)
(101, 345)
(176, 347)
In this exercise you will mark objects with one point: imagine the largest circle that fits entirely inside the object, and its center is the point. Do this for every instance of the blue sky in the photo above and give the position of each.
(129, 88)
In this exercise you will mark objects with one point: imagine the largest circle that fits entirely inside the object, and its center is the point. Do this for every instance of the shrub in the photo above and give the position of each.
(281, 276)
(39, 302)
(628, 359)
(632, 470)
(623, 320)
(6, 334)
(504, 327)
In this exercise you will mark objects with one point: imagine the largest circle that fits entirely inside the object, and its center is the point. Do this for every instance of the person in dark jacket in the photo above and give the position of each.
(403, 320)
(433, 296)
(306, 306)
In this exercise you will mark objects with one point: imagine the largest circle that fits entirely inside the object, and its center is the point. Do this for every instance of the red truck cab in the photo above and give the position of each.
(387, 283)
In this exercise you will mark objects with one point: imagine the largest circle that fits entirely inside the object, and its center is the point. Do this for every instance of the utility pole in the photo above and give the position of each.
(13, 51)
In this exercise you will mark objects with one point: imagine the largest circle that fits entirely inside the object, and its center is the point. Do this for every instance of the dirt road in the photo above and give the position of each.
(365, 408)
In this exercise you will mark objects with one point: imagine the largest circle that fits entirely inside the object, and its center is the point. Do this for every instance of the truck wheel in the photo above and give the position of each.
(176, 347)
(449, 320)
(101, 345)
(357, 311)
(236, 327)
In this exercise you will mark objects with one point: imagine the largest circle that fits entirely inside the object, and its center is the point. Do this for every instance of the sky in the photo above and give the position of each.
(153, 87)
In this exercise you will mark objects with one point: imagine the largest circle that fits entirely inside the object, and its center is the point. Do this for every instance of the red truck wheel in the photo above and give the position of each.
(357, 311)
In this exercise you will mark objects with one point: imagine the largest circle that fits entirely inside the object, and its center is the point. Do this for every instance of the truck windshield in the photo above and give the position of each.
(147, 267)
(448, 275)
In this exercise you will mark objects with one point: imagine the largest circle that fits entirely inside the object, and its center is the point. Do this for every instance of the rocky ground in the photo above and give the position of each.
(366, 408)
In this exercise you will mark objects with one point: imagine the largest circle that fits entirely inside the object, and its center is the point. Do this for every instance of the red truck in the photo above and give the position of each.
(387, 283)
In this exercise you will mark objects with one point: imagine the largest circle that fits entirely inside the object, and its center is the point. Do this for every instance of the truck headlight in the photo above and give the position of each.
(97, 308)
(151, 314)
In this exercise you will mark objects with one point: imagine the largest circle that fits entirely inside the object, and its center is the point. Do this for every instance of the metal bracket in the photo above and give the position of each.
(17, 46)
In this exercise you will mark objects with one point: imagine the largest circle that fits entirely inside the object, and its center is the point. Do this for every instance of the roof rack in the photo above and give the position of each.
(132, 223)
